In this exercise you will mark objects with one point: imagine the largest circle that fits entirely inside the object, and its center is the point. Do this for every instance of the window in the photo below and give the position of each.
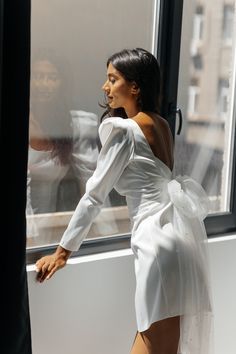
(198, 23)
(228, 22)
(197, 61)
(205, 148)
(80, 41)
(223, 95)
(197, 36)
(193, 97)
(69, 47)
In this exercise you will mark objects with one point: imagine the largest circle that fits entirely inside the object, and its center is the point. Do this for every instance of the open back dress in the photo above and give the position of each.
(168, 237)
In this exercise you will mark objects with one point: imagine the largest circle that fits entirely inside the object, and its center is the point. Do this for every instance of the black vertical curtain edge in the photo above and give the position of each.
(15, 75)
(1, 50)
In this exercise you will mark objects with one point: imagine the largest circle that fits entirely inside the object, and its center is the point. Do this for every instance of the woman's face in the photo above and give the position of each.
(45, 81)
(120, 93)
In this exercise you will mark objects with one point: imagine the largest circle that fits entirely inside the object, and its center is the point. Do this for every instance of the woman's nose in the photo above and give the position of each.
(105, 87)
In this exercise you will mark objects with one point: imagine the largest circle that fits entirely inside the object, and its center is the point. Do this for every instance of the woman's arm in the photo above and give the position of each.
(116, 152)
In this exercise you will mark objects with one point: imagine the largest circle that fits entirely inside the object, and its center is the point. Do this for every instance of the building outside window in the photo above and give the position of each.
(205, 148)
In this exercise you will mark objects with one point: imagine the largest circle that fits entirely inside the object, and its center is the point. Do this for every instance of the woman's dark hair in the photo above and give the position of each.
(139, 66)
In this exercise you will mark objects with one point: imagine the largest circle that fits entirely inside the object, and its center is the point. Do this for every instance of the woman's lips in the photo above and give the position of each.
(109, 99)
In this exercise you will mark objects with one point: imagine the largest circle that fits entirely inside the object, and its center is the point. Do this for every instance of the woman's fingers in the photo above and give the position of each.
(40, 263)
(47, 266)
(42, 273)
(53, 270)
(41, 277)
(43, 267)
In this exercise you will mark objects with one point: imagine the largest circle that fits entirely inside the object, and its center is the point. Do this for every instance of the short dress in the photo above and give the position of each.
(168, 237)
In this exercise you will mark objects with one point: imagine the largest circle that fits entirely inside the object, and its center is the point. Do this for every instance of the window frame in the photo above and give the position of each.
(167, 50)
(169, 53)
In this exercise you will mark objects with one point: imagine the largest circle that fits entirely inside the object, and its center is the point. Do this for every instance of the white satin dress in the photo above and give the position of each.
(168, 236)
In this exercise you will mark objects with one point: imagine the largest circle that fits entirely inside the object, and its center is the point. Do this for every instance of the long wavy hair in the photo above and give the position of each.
(139, 66)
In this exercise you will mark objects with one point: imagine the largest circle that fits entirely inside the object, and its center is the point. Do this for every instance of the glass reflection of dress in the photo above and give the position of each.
(46, 172)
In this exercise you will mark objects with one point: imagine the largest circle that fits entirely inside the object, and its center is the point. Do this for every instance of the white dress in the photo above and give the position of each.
(168, 236)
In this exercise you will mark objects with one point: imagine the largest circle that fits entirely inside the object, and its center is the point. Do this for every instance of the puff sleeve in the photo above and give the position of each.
(116, 152)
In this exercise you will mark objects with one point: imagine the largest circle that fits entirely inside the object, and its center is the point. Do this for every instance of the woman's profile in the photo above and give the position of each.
(168, 237)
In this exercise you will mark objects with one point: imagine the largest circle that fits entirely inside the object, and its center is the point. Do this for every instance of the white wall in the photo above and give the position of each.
(223, 265)
(87, 308)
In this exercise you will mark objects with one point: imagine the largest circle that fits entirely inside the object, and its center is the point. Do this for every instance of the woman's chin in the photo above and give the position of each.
(113, 106)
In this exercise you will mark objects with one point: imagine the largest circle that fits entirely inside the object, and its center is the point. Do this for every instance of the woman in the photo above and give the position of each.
(172, 297)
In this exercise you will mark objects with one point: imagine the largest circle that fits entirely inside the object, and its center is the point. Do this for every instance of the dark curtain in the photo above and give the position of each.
(14, 100)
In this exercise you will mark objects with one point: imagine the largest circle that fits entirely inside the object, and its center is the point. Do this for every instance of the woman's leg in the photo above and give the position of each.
(161, 338)
(139, 346)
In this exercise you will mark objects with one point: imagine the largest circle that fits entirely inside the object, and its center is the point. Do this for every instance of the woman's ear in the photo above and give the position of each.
(135, 90)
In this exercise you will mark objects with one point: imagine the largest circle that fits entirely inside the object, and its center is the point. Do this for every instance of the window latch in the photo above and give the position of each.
(176, 111)
(179, 113)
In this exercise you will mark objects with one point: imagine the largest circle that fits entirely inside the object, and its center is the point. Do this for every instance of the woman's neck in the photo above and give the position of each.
(131, 111)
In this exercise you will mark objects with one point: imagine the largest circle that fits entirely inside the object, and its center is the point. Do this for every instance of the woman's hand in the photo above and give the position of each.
(48, 265)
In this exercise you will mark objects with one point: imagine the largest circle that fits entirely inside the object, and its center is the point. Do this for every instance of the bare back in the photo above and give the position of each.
(158, 134)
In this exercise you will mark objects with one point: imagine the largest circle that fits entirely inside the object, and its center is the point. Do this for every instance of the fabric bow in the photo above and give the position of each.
(188, 197)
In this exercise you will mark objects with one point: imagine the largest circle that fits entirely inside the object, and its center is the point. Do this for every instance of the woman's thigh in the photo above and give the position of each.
(161, 338)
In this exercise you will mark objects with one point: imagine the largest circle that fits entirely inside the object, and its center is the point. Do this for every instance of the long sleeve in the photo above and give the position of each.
(85, 148)
(116, 152)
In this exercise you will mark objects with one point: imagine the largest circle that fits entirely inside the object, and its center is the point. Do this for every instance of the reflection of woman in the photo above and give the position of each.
(172, 296)
(62, 144)
(50, 135)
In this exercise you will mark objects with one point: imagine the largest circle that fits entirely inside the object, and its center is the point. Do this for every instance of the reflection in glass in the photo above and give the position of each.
(50, 131)
(63, 146)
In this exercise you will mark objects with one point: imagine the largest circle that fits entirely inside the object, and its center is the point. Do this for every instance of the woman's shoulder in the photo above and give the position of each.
(153, 124)
(115, 121)
(114, 126)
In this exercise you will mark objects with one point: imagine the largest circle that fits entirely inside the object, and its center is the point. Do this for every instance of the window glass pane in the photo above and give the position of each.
(206, 96)
(71, 40)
